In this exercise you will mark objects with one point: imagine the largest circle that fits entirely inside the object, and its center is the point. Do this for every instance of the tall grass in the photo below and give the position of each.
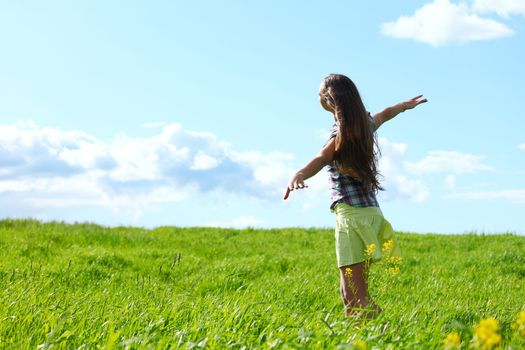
(87, 286)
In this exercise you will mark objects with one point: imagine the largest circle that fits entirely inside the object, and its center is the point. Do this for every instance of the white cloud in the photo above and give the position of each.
(450, 181)
(522, 146)
(515, 195)
(396, 183)
(202, 161)
(442, 22)
(448, 162)
(47, 167)
(503, 8)
(51, 168)
(272, 169)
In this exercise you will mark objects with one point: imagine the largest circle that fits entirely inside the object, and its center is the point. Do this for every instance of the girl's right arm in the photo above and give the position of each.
(324, 158)
(390, 112)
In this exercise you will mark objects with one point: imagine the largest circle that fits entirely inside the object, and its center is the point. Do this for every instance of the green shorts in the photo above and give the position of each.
(360, 228)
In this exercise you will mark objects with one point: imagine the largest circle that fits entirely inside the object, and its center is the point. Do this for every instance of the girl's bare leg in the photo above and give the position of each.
(354, 290)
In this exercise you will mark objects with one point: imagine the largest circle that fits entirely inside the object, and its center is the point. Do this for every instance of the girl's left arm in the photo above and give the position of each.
(390, 112)
(324, 158)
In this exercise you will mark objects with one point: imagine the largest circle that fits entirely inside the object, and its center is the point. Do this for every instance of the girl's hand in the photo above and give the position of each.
(413, 102)
(295, 183)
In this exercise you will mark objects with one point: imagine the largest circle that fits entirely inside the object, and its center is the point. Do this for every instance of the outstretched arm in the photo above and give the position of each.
(390, 112)
(324, 158)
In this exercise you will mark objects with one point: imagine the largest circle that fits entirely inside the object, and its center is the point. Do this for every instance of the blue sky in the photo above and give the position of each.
(197, 113)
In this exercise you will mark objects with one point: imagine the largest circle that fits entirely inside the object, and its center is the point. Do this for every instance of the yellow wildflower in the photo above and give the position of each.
(370, 249)
(486, 334)
(519, 325)
(396, 260)
(452, 341)
(360, 345)
(521, 319)
(494, 339)
(490, 325)
(393, 270)
(348, 275)
(388, 245)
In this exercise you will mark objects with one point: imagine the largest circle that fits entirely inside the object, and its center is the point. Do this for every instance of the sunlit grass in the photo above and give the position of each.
(87, 286)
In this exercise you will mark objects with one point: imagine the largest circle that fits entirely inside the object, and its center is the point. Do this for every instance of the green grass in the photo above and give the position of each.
(87, 286)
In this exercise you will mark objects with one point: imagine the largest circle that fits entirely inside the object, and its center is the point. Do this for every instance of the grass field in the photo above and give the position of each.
(87, 286)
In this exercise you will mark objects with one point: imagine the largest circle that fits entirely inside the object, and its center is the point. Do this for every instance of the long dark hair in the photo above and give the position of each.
(354, 143)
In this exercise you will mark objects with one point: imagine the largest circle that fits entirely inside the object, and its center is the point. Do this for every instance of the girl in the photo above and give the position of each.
(353, 177)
